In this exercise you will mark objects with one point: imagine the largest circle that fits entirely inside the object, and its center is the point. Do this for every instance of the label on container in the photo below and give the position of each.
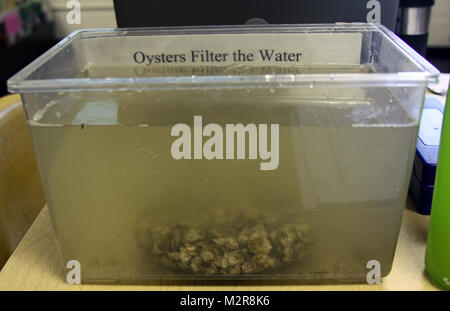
(287, 49)
(98, 113)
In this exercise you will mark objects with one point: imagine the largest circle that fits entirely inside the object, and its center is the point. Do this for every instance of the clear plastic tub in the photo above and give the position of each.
(254, 152)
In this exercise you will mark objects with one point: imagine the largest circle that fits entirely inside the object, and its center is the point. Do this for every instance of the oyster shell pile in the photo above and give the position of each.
(227, 242)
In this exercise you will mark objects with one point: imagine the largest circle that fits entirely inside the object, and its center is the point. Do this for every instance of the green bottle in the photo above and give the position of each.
(437, 258)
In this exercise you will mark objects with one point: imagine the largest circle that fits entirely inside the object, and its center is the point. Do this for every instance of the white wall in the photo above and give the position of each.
(94, 14)
(440, 24)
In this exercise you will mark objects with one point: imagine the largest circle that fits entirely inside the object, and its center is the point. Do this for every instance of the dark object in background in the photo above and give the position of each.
(20, 21)
(424, 169)
(25, 34)
(439, 57)
(413, 23)
(32, 17)
(17, 56)
(144, 13)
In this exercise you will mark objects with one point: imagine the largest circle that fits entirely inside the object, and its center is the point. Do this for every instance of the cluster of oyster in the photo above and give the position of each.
(228, 242)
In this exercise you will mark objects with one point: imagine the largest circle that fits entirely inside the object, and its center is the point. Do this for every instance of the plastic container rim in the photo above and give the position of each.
(426, 73)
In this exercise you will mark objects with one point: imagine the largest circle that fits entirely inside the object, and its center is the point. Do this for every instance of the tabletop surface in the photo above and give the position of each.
(36, 264)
